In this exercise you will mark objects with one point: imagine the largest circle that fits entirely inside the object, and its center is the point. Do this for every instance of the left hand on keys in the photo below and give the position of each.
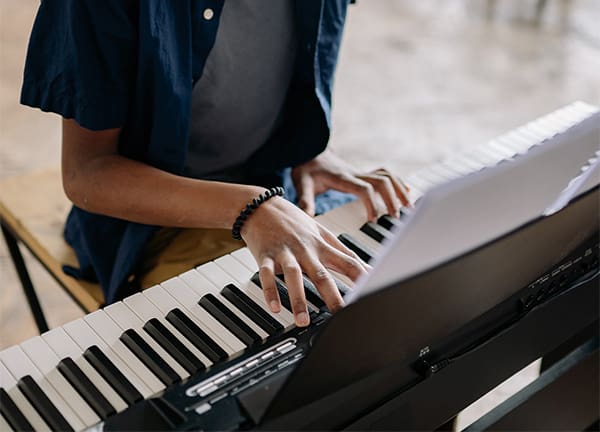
(327, 171)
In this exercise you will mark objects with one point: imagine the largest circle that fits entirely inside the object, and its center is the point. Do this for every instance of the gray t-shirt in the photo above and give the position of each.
(238, 100)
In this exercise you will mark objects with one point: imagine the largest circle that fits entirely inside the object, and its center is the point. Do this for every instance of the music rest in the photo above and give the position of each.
(420, 314)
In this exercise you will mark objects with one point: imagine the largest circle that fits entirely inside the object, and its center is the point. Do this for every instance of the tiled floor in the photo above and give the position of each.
(417, 81)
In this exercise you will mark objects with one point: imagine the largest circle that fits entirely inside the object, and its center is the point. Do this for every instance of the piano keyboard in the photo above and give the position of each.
(208, 327)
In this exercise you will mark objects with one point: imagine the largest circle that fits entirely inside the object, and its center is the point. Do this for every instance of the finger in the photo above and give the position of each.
(383, 186)
(306, 194)
(343, 264)
(323, 280)
(400, 188)
(332, 241)
(362, 189)
(266, 274)
(293, 280)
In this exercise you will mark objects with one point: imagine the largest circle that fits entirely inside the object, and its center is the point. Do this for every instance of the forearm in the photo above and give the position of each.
(120, 187)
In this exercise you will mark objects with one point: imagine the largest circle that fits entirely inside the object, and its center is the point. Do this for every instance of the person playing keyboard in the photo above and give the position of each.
(178, 115)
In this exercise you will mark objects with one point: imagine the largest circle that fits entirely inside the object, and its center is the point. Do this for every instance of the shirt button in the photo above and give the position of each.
(208, 14)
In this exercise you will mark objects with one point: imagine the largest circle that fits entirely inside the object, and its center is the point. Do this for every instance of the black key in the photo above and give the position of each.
(312, 293)
(230, 321)
(283, 294)
(149, 357)
(112, 375)
(196, 335)
(173, 346)
(42, 404)
(363, 252)
(376, 232)
(389, 222)
(12, 413)
(253, 311)
(88, 391)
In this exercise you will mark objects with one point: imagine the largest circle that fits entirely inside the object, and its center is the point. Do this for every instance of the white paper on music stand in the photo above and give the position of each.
(468, 212)
(589, 179)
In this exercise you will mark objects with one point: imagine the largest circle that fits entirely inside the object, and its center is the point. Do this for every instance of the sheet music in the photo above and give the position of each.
(466, 213)
(589, 179)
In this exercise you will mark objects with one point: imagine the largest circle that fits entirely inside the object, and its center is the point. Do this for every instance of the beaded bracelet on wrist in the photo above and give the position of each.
(250, 207)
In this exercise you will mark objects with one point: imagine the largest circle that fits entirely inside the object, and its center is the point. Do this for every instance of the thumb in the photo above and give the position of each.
(306, 194)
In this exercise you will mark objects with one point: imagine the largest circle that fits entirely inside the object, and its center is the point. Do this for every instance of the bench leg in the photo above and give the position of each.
(19, 262)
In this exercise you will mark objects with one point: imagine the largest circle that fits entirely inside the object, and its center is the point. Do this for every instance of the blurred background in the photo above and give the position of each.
(417, 81)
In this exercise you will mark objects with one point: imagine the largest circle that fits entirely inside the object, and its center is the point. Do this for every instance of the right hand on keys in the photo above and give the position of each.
(284, 239)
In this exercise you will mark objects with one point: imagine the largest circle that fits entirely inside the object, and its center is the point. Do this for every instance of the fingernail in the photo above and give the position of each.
(302, 319)
(274, 305)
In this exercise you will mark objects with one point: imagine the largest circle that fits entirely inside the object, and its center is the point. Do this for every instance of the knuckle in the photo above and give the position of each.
(264, 268)
(291, 269)
(351, 263)
(367, 189)
(321, 275)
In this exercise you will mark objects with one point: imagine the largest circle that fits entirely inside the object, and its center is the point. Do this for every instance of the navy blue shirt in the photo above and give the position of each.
(132, 64)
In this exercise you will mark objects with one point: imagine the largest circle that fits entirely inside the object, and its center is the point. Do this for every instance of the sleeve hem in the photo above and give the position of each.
(107, 112)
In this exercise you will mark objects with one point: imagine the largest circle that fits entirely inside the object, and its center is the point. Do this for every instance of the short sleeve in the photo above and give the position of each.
(81, 61)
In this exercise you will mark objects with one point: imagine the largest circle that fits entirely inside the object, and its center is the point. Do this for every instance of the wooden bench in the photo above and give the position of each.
(33, 209)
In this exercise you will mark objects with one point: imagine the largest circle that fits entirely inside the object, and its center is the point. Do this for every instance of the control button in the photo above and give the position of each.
(251, 364)
(208, 14)
(220, 380)
(236, 372)
(286, 347)
(202, 408)
(208, 390)
(268, 355)
(204, 387)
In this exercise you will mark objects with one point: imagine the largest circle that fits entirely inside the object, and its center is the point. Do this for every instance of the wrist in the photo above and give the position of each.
(261, 200)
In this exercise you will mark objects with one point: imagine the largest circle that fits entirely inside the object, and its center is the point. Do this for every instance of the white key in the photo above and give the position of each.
(583, 107)
(485, 156)
(348, 224)
(447, 173)
(234, 269)
(450, 174)
(515, 143)
(189, 301)
(253, 291)
(110, 332)
(506, 152)
(9, 384)
(459, 169)
(126, 319)
(19, 365)
(202, 286)
(562, 120)
(415, 182)
(495, 155)
(4, 426)
(351, 216)
(550, 124)
(535, 129)
(83, 335)
(244, 256)
(146, 311)
(571, 116)
(64, 346)
(46, 361)
(432, 177)
(526, 140)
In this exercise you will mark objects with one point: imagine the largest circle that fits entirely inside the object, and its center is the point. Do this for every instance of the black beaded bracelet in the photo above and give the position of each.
(250, 207)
